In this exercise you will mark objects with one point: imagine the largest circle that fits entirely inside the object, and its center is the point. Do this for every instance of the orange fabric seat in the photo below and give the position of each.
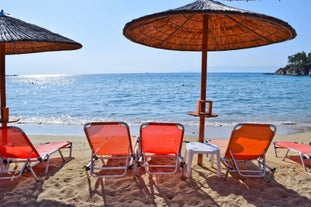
(161, 140)
(109, 141)
(16, 147)
(51, 147)
(249, 142)
(294, 146)
(303, 150)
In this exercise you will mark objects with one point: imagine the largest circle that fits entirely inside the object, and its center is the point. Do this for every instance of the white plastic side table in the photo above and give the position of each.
(202, 148)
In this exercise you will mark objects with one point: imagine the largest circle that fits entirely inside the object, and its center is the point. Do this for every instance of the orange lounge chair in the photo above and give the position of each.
(160, 146)
(249, 142)
(16, 148)
(111, 146)
(303, 150)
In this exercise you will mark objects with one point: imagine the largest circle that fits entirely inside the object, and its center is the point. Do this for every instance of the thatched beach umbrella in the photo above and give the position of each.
(19, 37)
(207, 25)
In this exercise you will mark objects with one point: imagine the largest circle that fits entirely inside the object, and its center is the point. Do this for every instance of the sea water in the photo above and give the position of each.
(62, 104)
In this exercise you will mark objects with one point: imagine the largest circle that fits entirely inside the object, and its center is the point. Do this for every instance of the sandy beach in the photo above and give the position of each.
(69, 185)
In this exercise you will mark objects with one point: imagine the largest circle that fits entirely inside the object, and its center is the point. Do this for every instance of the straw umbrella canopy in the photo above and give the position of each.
(19, 37)
(207, 25)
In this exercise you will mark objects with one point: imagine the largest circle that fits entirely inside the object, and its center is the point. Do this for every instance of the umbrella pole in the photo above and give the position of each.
(4, 109)
(203, 82)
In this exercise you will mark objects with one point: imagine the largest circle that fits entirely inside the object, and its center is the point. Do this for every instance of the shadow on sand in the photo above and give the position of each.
(14, 192)
(205, 189)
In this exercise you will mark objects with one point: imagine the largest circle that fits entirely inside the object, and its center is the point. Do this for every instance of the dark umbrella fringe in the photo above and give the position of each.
(17, 35)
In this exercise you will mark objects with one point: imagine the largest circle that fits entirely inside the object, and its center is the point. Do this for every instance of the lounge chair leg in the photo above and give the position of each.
(182, 168)
(70, 150)
(227, 172)
(272, 171)
(134, 169)
(62, 156)
(87, 167)
(275, 148)
(47, 166)
(130, 165)
(29, 167)
(303, 164)
(285, 155)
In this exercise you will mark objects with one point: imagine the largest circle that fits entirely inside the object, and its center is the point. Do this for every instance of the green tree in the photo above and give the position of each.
(298, 64)
(299, 58)
(309, 58)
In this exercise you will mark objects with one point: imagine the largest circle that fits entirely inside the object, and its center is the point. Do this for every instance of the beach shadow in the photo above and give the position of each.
(173, 190)
(203, 189)
(24, 191)
(122, 191)
(149, 190)
(257, 192)
(99, 189)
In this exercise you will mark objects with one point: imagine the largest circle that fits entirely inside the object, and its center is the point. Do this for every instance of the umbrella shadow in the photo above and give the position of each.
(149, 190)
(174, 190)
(254, 191)
(114, 191)
(99, 188)
(258, 192)
(203, 189)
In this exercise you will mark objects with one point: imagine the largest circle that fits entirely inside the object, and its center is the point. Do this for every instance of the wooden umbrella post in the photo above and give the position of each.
(4, 109)
(203, 82)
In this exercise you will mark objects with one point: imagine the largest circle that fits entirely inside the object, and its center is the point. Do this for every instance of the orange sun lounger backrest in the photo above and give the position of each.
(109, 138)
(161, 138)
(250, 141)
(15, 144)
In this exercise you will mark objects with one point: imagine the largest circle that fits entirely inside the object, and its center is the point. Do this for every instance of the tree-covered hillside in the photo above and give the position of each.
(297, 64)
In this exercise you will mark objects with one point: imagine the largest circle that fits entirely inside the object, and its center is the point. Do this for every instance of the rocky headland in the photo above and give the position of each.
(297, 65)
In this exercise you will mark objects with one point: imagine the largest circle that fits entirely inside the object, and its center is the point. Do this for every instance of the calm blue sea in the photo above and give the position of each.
(62, 104)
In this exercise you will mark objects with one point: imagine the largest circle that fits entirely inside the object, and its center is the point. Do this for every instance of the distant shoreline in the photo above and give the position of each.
(211, 132)
(189, 72)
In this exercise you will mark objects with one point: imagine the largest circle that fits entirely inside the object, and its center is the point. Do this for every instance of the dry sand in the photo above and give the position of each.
(69, 185)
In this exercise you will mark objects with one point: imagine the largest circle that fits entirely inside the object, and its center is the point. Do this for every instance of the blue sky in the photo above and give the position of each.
(98, 26)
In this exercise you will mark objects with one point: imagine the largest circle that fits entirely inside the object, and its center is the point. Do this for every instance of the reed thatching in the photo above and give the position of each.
(20, 37)
(228, 28)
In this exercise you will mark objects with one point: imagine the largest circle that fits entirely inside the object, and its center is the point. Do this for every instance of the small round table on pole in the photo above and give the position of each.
(202, 148)
(203, 113)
